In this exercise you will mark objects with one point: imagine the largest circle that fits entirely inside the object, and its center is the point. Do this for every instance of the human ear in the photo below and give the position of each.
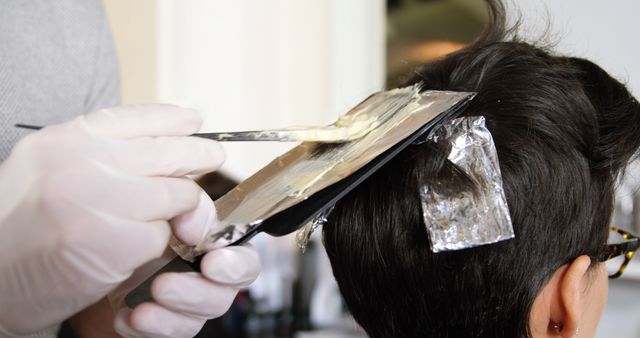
(567, 307)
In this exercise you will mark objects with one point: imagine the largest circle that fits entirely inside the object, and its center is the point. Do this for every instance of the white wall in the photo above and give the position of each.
(251, 64)
(605, 32)
(133, 25)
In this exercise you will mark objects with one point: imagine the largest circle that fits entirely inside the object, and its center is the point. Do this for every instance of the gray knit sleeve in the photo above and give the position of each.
(105, 88)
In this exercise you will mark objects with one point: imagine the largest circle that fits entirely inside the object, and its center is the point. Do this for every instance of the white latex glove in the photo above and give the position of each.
(184, 301)
(86, 202)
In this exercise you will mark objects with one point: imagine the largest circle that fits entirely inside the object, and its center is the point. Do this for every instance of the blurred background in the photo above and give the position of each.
(255, 64)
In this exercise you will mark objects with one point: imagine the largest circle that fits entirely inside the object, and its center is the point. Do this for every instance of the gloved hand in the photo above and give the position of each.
(86, 202)
(184, 301)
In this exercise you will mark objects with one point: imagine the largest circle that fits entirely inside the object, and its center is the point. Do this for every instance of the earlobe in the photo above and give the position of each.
(571, 287)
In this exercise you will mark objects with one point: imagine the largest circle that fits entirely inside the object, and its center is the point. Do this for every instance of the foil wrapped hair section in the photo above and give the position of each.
(459, 217)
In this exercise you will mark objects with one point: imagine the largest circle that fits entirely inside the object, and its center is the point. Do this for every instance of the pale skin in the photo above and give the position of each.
(571, 304)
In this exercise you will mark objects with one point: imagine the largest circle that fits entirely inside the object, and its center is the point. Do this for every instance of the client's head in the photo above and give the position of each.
(564, 130)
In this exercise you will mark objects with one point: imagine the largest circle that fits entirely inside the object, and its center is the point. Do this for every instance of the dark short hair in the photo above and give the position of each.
(564, 130)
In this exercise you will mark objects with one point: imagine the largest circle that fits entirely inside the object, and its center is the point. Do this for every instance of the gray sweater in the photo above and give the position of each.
(56, 61)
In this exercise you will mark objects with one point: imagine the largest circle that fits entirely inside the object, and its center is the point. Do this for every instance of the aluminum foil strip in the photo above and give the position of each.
(303, 236)
(459, 218)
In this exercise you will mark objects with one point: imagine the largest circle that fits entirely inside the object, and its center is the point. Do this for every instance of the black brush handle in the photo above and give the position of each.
(142, 292)
(27, 126)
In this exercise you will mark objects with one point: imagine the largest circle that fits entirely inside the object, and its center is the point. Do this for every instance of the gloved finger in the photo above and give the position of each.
(154, 321)
(192, 294)
(175, 196)
(168, 156)
(236, 266)
(142, 120)
(142, 272)
(139, 198)
(192, 226)
(141, 243)
(114, 256)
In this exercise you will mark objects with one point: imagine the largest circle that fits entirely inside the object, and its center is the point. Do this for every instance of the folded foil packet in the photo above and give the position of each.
(463, 218)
